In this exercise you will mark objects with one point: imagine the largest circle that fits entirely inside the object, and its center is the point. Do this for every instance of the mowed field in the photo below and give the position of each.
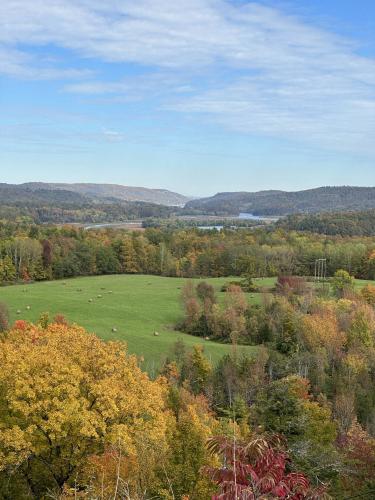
(135, 305)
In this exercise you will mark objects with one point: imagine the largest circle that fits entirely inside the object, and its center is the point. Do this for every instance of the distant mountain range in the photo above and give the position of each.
(101, 192)
(324, 199)
(40, 203)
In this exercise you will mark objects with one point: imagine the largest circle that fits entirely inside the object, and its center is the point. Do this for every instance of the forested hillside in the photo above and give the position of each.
(345, 223)
(283, 203)
(14, 194)
(113, 192)
(60, 206)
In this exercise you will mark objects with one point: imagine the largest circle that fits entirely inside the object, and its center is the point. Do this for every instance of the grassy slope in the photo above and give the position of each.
(138, 306)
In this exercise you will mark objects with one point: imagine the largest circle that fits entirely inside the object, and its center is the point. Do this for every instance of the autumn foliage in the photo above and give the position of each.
(255, 468)
(65, 396)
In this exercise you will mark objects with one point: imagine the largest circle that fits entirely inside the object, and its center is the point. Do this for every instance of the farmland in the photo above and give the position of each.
(134, 305)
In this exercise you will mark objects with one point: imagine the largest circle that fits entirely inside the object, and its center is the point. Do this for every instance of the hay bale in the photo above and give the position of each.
(156, 334)
(110, 291)
(90, 300)
(18, 311)
(206, 338)
(100, 296)
(28, 308)
(114, 330)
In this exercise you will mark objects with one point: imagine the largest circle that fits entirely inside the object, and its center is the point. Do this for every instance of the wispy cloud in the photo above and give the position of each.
(20, 64)
(249, 68)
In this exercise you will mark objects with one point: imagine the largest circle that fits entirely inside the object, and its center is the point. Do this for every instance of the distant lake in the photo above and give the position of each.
(208, 228)
(258, 217)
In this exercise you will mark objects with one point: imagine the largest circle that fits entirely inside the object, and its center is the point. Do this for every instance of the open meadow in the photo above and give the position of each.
(135, 305)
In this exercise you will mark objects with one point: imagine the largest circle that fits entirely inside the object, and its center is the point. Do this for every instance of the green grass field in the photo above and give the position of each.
(362, 283)
(138, 306)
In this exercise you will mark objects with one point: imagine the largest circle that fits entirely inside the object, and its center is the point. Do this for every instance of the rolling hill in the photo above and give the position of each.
(22, 194)
(37, 204)
(325, 199)
(114, 192)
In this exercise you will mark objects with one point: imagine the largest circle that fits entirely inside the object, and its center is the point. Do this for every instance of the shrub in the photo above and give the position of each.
(60, 319)
(259, 468)
(342, 282)
(287, 285)
(20, 324)
(44, 320)
(205, 291)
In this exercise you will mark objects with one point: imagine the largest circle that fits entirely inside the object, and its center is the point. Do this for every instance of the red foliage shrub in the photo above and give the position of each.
(60, 320)
(20, 324)
(25, 275)
(257, 468)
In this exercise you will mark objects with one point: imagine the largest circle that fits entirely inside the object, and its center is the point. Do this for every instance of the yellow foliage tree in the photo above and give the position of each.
(321, 330)
(66, 395)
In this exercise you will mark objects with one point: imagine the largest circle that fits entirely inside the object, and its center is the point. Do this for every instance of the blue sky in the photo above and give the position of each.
(197, 96)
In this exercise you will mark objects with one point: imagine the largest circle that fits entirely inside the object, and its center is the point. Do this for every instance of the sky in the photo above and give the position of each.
(196, 96)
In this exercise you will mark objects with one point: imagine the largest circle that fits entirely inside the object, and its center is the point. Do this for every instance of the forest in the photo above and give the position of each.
(361, 223)
(53, 212)
(79, 419)
(40, 252)
(295, 419)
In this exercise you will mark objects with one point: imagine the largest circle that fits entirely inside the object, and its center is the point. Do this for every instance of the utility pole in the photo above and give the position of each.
(320, 275)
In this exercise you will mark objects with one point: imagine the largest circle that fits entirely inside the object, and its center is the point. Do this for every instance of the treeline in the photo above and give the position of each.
(343, 224)
(50, 252)
(54, 212)
(184, 222)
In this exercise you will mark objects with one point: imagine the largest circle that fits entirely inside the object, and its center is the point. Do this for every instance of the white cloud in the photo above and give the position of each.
(113, 136)
(250, 68)
(19, 64)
